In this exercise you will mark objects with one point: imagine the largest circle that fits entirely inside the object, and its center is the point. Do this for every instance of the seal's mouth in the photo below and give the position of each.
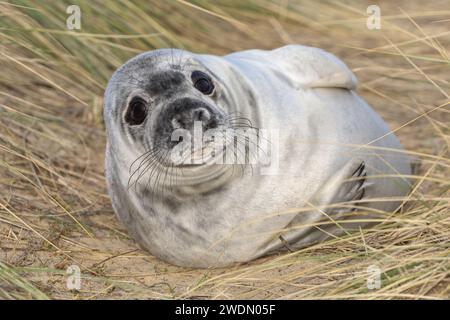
(189, 159)
(188, 166)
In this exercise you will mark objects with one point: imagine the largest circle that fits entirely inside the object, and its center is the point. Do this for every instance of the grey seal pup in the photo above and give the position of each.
(330, 164)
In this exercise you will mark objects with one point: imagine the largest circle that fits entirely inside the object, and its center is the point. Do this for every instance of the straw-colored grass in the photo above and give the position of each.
(54, 210)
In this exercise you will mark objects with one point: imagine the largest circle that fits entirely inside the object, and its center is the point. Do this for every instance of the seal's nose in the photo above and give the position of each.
(183, 114)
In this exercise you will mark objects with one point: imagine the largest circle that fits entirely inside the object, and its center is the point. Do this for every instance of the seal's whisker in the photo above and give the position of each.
(238, 117)
(247, 148)
(256, 144)
(164, 177)
(241, 124)
(145, 154)
(231, 119)
(235, 154)
(155, 166)
(159, 175)
(262, 137)
(149, 164)
(172, 176)
(155, 170)
(137, 169)
(238, 131)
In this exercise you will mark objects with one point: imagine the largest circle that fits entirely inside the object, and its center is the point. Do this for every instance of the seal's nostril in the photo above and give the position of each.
(213, 124)
(201, 114)
(176, 124)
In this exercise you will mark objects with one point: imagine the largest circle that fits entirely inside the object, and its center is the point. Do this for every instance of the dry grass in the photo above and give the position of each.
(54, 211)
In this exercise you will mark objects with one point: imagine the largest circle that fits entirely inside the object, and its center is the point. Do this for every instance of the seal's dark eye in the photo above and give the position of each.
(202, 82)
(137, 111)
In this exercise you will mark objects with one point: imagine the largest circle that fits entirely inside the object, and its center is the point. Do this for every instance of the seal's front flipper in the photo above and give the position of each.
(347, 187)
(354, 188)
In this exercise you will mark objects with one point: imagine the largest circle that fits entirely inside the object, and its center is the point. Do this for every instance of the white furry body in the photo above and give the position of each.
(325, 132)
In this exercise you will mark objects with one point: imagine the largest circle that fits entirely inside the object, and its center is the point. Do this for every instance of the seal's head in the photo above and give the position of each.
(158, 92)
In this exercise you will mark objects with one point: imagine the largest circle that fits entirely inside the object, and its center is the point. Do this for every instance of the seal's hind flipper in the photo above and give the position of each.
(305, 67)
(310, 67)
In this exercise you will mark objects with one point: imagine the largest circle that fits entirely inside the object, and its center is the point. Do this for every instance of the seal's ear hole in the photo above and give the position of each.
(202, 82)
(136, 111)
